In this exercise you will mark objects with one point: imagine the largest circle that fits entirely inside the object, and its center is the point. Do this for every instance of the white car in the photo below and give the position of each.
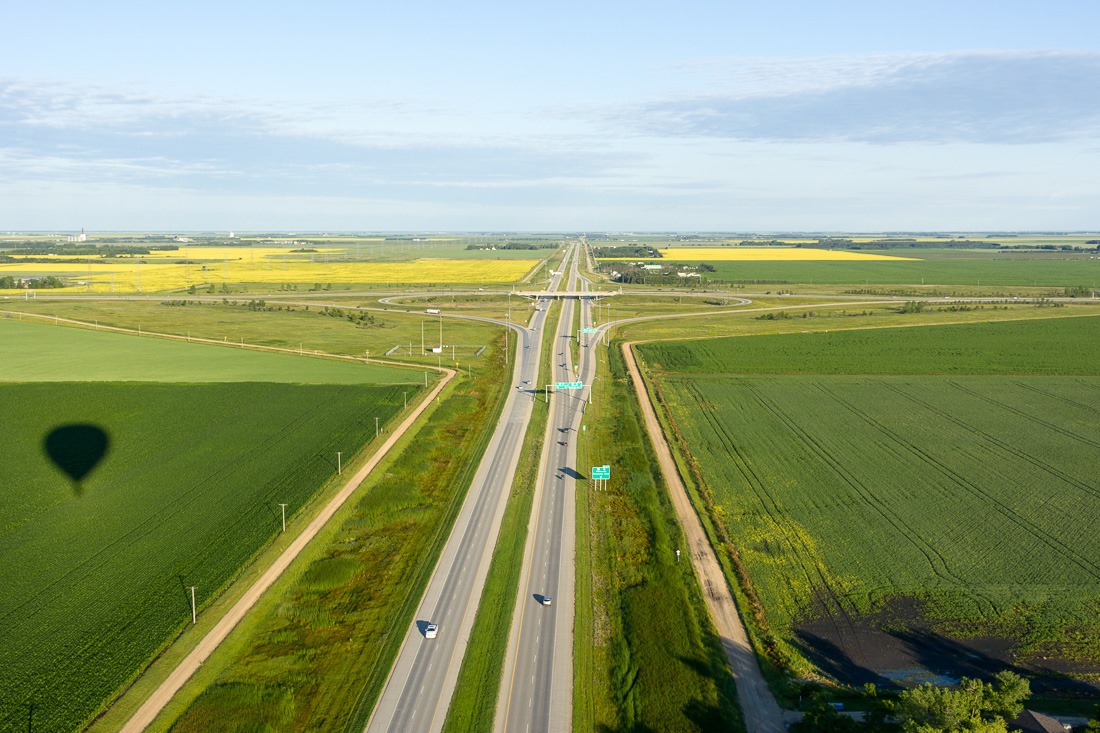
(431, 631)
(547, 600)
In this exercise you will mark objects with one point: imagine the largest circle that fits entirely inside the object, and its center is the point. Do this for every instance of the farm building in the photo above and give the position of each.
(1030, 721)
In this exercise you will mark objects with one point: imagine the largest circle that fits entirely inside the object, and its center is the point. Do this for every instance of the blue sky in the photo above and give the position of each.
(734, 116)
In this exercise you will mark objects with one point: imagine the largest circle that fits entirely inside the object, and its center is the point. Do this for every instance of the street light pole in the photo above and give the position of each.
(339, 462)
(283, 507)
(194, 619)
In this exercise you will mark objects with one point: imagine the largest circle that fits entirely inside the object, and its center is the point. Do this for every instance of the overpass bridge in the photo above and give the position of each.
(564, 293)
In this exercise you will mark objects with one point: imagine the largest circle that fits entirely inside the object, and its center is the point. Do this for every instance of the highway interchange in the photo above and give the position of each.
(536, 687)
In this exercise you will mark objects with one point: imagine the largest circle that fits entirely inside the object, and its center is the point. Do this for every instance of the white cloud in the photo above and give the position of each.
(976, 97)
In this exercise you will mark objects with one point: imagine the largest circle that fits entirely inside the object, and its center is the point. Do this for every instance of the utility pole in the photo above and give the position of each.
(283, 507)
(406, 395)
(422, 338)
(339, 463)
(376, 427)
(194, 619)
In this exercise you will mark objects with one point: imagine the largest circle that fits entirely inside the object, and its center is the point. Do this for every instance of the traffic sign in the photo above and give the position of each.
(601, 472)
(589, 330)
(568, 385)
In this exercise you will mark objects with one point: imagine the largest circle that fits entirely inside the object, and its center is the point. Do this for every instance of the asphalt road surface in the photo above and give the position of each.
(420, 685)
(537, 684)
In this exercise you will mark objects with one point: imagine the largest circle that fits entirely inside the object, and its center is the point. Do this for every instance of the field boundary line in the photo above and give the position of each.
(149, 710)
(761, 712)
(230, 344)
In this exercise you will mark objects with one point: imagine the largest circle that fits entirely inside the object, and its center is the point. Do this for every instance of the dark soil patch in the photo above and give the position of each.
(898, 647)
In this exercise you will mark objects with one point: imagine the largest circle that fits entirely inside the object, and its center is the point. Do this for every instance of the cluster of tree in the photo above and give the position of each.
(912, 306)
(518, 244)
(1052, 247)
(896, 243)
(627, 250)
(8, 282)
(784, 315)
(88, 250)
(971, 707)
(359, 318)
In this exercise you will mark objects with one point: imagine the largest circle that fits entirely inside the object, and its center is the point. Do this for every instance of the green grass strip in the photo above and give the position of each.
(472, 711)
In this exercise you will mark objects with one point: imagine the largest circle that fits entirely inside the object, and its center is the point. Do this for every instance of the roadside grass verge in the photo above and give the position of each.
(480, 675)
(317, 648)
(646, 654)
(312, 328)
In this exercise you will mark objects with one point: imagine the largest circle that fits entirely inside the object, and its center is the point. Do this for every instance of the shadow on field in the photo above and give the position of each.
(967, 659)
(76, 449)
(723, 714)
(836, 662)
(185, 592)
(629, 728)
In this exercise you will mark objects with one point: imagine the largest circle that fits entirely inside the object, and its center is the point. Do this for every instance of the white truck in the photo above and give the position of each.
(432, 311)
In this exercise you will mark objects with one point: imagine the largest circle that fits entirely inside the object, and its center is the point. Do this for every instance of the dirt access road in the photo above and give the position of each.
(761, 712)
(163, 694)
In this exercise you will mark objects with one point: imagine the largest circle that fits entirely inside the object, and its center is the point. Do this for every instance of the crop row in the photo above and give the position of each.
(1060, 346)
(971, 493)
(97, 579)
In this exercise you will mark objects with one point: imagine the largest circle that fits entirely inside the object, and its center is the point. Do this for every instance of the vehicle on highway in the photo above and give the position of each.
(431, 631)
(547, 600)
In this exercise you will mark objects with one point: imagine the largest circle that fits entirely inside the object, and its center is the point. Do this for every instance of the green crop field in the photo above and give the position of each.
(934, 267)
(95, 575)
(1047, 346)
(35, 352)
(948, 469)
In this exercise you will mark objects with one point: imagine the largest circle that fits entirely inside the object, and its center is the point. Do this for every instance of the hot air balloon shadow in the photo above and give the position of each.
(76, 450)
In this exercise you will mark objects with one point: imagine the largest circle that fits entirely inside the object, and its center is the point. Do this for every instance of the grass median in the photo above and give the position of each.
(646, 654)
(479, 678)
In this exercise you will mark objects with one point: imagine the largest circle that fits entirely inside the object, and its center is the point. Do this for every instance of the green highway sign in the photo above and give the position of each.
(589, 330)
(601, 472)
(568, 385)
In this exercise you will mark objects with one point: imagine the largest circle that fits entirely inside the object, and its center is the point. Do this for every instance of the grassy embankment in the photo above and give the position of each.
(316, 650)
(308, 328)
(934, 449)
(646, 656)
(479, 677)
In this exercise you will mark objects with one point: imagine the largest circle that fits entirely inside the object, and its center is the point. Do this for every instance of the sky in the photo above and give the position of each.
(608, 116)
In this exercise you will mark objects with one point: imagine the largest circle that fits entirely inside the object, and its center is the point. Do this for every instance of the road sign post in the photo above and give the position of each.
(601, 474)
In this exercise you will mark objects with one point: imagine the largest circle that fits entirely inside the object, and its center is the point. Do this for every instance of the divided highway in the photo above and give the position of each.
(420, 685)
(537, 684)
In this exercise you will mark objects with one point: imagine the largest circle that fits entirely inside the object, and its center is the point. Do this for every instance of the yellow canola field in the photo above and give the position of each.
(769, 254)
(129, 277)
